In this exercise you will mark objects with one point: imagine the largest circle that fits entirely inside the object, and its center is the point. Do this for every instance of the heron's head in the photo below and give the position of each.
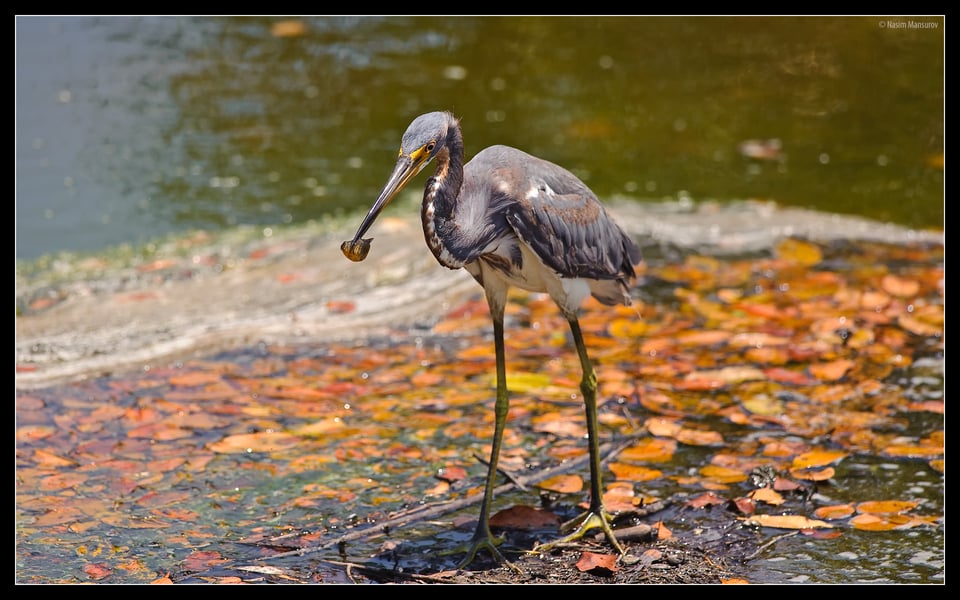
(423, 140)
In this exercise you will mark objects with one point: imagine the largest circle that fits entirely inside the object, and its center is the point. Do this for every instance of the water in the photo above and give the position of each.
(128, 128)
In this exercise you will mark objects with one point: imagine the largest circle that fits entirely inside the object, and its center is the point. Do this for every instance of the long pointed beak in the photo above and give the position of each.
(405, 170)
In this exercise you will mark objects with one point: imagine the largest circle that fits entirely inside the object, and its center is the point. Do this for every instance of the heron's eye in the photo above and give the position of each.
(431, 146)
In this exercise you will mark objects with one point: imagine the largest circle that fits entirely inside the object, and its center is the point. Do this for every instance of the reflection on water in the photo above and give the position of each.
(131, 127)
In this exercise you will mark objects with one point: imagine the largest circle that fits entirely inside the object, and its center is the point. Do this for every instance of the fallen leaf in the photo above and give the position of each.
(899, 286)
(563, 484)
(291, 28)
(768, 496)
(591, 560)
(881, 507)
(817, 458)
(786, 522)
(97, 571)
(798, 251)
(831, 371)
(836, 511)
(524, 517)
(265, 441)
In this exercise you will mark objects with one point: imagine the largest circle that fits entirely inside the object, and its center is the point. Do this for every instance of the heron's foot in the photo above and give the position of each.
(482, 540)
(580, 526)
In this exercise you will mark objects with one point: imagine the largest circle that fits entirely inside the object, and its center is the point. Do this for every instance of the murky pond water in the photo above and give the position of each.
(131, 127)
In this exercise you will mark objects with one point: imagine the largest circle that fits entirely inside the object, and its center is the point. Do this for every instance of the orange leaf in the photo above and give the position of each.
(814, 474)
(723, 474)
(628, 472)
(786, 522)
(663, 427)
(289, 28)
(886, 506)
(868, 522)
(264, 441)
(767, 495)
(651, 449)
(591, 560)
(663, 533)
(836, 511)
(699, 437)
(702, 338)
(564, 484)
(734, 581)
(816, 458)
(899, 286)
(831, 371)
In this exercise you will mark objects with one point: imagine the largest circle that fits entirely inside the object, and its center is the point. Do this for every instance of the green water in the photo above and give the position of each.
(133, 127)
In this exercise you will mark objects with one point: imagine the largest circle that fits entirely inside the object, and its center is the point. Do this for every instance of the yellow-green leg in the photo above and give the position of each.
(595, 516)
(483, 539)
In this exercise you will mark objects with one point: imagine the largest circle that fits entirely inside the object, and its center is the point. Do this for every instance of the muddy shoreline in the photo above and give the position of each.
(84, 317)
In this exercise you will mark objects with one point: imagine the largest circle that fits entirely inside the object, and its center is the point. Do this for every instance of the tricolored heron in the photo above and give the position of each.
(512, 219)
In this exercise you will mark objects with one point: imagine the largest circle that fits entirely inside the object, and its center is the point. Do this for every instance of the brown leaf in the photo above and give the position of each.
(705, 499)
(524, 517)
(591, 560)
(451, 473)
(745, 506)
(97, 571)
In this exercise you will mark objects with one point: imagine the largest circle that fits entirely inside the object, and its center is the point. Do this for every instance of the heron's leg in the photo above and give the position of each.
(595, 516)
(482, 537)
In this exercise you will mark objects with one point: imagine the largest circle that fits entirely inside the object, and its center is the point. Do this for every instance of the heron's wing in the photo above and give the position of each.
(572, 233)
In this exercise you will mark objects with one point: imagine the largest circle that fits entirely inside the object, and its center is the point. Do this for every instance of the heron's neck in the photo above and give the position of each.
(440, 196)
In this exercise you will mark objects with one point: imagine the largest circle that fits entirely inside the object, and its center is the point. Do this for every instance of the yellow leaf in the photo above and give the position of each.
(786, 522)
(763, 405)
(798, 251)
(627, 328)
(526, 382)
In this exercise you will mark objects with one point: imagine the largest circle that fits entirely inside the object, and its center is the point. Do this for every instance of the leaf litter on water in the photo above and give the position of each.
(742, 348)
